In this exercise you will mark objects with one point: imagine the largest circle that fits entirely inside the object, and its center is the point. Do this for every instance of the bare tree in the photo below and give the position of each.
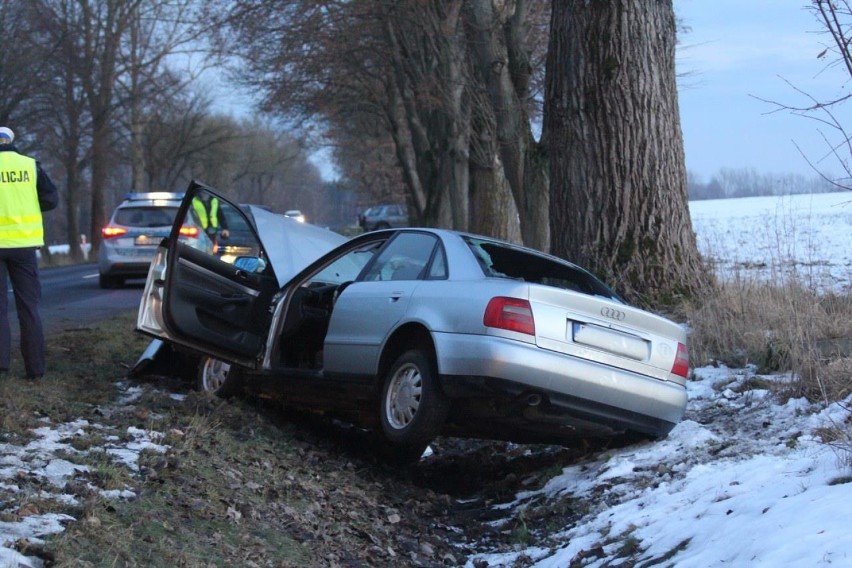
(180, 132)
(62, 116)
(106, 42)
(366, 153)
(157, 32)
(498, 34)
(273, 169)
(24, 57)
(408, 68)
(835, 20)
(617, 167)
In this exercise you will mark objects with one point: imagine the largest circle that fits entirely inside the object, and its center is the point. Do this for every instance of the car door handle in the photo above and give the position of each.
(242, 276)
(395, 296)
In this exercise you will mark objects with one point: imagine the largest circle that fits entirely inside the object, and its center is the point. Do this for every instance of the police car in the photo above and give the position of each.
(131, 237)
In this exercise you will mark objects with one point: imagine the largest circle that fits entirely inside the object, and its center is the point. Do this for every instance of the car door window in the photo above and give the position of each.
(346, 268)
(229, 237)
(404, 258)
(501, 260)
(217, 290)
(438, 268)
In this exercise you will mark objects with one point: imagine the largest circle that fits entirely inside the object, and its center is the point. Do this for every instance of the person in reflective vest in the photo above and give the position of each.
(25, 192)
(209, 215)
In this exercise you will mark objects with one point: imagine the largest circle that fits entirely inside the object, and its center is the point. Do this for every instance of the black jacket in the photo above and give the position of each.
(48, 196)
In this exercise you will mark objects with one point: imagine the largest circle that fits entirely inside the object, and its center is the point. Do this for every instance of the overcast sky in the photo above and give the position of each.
(739, 51)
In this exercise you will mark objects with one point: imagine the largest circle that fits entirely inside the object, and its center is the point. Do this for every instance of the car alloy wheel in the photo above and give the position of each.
(413, 408)
(217, 377)
(404, 394)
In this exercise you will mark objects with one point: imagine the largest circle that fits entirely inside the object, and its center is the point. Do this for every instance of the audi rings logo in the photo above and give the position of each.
(612, 313)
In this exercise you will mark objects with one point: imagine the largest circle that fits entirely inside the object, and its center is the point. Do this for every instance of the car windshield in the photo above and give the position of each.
(346, 268)
(145, 216)
(499, 260)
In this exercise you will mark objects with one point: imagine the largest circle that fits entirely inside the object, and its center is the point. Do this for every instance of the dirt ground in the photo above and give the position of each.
(244, 482)
(349, 508)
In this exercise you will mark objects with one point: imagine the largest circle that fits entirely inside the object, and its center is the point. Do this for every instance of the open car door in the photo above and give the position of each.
(211, 283)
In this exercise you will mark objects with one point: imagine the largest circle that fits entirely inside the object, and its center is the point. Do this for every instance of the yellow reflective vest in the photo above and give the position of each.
(20, 214)
(207, 219)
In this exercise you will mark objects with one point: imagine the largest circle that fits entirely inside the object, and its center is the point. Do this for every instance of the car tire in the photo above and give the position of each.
(219, 378)
(412, 408)
(107, 282)
(380, 226)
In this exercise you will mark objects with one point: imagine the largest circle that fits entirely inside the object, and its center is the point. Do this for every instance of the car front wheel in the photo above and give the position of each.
(218, 377)
(413, 408)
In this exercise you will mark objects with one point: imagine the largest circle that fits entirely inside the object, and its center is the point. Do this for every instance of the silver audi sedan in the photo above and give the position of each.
(414, 333)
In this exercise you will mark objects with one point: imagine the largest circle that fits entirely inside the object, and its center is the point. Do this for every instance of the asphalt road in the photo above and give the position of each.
(72, 299)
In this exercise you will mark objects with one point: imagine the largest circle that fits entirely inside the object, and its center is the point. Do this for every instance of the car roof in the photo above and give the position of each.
(451, 236)
(151, 198)
(381, 205)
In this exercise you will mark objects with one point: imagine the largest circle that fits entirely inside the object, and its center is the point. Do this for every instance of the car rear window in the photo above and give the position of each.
(498, 260)
(145, 216)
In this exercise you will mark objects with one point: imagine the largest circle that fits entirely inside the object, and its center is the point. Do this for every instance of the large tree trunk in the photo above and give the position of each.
(100, 161)
(492, 207)
(429, 113)
(496, 39)
(618, 178)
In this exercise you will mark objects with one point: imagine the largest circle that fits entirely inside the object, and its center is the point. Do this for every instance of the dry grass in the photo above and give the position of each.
(237, 484)
(782, 324)
(777, 326)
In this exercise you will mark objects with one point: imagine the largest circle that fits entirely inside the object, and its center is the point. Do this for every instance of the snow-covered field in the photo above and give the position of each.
(743, 480)
(809, 236)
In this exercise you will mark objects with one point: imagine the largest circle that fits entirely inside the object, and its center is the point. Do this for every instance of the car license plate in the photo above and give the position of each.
(144, 240)
(610, 340)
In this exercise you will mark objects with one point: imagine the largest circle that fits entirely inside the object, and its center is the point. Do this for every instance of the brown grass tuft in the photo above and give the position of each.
(777, 327)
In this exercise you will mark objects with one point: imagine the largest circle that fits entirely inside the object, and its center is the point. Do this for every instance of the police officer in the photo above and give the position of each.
(25, 191)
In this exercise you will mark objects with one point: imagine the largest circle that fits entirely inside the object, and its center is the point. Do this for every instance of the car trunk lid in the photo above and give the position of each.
(604, 330)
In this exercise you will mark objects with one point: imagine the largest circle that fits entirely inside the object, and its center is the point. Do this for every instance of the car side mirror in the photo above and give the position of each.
(250, 263)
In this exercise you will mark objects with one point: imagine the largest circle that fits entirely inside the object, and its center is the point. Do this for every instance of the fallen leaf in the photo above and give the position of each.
(28, 510)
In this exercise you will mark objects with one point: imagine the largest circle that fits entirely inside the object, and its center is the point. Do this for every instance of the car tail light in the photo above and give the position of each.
(510, 313)
(189, 231)
(110, 232)
(681, 362)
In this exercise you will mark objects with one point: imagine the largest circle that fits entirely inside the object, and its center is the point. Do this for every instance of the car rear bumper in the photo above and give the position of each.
(126, 269)
(553, 387)
(135, 266)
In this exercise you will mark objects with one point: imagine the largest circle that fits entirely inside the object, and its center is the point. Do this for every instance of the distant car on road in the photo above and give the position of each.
(131, 237)
(384, 217)
(295, 214)
(418, 332)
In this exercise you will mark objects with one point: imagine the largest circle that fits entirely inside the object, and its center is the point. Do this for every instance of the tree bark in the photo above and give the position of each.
(618, 177)
(429, 113)
(496, 39)
(493, 210)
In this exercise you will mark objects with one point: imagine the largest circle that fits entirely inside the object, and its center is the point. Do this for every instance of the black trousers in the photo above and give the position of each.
(20, 265)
